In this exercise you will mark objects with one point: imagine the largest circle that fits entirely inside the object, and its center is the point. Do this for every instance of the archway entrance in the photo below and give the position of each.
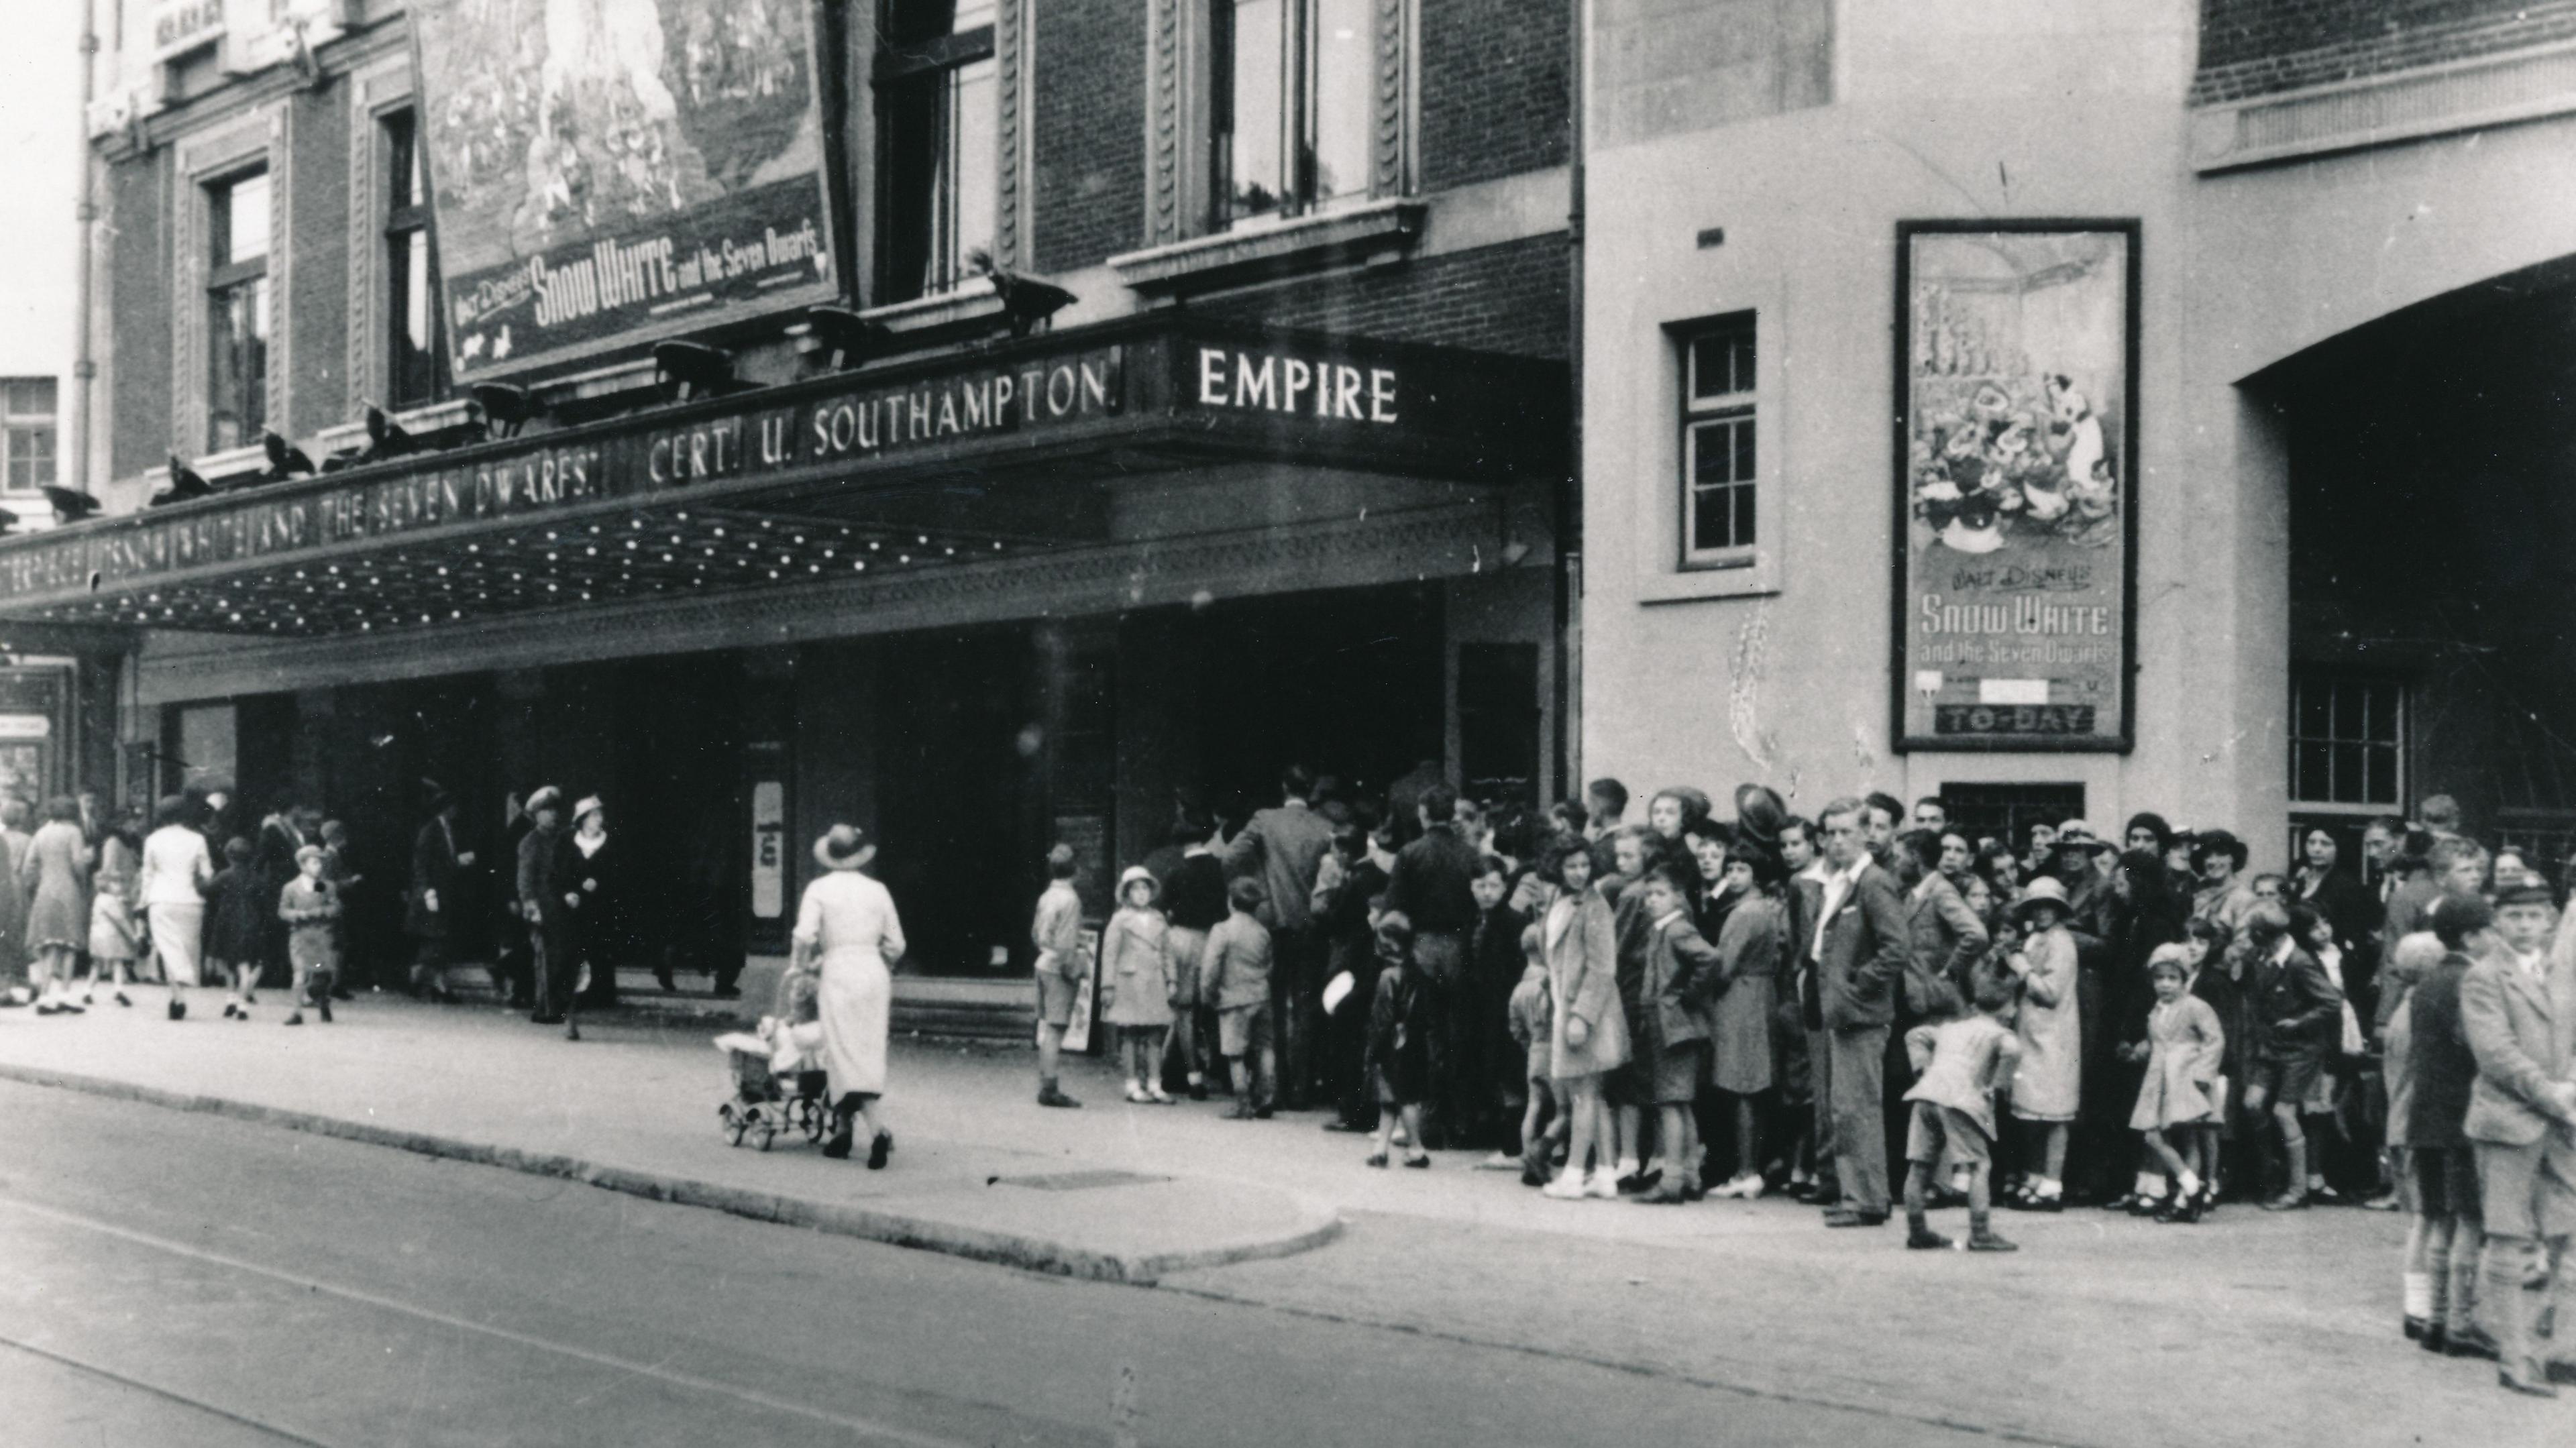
(2430, 455)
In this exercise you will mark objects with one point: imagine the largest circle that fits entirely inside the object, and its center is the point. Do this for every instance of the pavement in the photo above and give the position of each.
(2253, 1328)
(632, 1108)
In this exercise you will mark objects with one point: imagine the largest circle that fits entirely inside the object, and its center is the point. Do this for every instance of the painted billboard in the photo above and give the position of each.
(2016, 450)
(607, 172)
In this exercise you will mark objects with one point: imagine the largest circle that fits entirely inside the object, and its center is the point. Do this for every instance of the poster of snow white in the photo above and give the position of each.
(2016, 459)
(607, 172)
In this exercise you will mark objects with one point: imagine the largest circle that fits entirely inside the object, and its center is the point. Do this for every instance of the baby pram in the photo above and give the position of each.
(778, 1084)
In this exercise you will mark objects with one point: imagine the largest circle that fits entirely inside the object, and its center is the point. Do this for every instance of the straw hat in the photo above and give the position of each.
(1131, 875)
(546, 797)
(2043, 891)
(844, 847)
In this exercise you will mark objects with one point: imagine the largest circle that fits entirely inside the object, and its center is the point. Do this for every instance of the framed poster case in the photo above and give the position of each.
(2016, 449)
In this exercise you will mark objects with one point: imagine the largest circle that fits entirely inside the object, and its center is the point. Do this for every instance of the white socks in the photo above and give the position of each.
(2419, 1295)
(2150, 1184)
(2188, 1185)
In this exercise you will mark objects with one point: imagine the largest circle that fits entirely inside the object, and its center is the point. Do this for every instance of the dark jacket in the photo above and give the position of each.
(2439, 1061)
(1433, 882)
(1282, 848)
(546, 864)
(1866, 946)
(1398, 1047)
(2295, 1005)
(1944, 942)
(434, 871)
(1682, 972)
(1194, 896)
(240, 908)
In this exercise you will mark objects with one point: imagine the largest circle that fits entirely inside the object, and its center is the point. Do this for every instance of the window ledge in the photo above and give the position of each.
(1378, 232)
(216, 467)
(1753, 579)
(971, 300)
(427, 421)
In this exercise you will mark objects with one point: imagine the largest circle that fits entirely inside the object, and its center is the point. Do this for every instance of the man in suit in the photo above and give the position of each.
(549, 893)
(1283, 848)
(1805, 899)
(2518, 1009)
(1858, 949)
(438, 893)
(1433, 886)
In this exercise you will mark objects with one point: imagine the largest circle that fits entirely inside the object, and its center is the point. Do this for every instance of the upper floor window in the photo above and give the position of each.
(939, 151)
(1291, 105)
(416, 360)
(237, 310)
(2347, 740)
(27, 439)
(1721, 474)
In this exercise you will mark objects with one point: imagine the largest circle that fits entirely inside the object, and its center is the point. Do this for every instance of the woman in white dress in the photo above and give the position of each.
(172, 890)
(847, 935)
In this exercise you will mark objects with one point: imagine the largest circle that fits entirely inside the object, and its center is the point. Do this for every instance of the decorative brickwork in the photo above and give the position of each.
(2260, 47)
(1010, 60)
(1507, 298)
(138, 312)
(1087, 128)
(1493, 89)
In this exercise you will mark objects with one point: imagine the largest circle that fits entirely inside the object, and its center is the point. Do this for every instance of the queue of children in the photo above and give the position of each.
(1691, 1007)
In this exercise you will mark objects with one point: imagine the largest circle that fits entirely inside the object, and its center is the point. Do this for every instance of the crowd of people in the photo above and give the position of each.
(1694, 1006)
(95, 901)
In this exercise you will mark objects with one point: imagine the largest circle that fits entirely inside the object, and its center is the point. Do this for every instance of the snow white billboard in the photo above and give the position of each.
(608, 172)
(2017, 473)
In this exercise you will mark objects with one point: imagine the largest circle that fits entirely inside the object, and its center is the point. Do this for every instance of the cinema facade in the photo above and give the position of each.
(2080, 409)
(976, 575)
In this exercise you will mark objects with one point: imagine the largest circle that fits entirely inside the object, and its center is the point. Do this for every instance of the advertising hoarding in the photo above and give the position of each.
(608, 172)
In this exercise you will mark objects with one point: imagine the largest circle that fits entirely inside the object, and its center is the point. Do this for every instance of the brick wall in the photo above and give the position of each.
(1508, 298)
(2258, 47)
(317, 383)
(1493, 89)
(1087, 131)
(138, 280)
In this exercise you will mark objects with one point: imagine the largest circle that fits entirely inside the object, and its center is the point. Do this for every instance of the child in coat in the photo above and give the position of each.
(311, 909)
(2185, 1046)
(236, 927)
(1959, 1066)
(1236, 970)
(2049, 1082)
(1680, 967)
(1057, 933)
(1533, 1016)
(1398, 1045)
(1135, 978)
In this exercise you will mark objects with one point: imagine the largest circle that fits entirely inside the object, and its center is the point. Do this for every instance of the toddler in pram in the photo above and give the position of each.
(777, 1071)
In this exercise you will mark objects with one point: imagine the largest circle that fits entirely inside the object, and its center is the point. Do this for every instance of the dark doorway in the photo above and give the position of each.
(959, 750)
(1349, 683)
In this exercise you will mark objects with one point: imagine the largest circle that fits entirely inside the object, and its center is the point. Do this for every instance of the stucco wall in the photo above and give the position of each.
(2020, 109)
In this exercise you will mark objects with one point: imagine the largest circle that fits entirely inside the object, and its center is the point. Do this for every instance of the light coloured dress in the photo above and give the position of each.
(1582, 950)
(113, 920)
(2050, 1079)
(2185, 1044)
(847, 921)
(1135, 958)
(173, 890)
(57, 866)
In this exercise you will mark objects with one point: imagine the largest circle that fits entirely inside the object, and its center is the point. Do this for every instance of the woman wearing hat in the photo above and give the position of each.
(1136, 981)
(2048, 1085)
(607, 931)
(847, 935)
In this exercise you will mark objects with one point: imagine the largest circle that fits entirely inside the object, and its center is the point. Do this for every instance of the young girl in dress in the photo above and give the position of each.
(2049, 1083)
(1590, 1031)
(115, 919)
(1136, 967)
(2185, 1044)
